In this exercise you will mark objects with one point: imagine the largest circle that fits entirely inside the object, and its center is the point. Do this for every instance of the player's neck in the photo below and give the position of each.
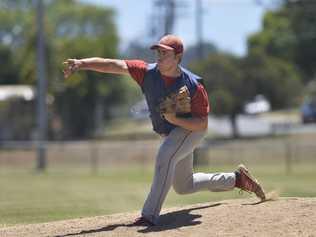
(171, 72)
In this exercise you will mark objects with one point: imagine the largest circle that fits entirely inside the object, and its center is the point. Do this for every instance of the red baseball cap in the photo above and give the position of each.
(169, 42)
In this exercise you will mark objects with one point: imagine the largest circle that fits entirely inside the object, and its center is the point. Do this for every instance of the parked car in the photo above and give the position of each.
(308, 111)
(259, 105)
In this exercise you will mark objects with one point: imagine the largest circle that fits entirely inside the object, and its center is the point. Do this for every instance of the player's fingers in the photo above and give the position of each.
(66, 72)
(183, 102)
(69, 61)
(75, 67)
(67, 69)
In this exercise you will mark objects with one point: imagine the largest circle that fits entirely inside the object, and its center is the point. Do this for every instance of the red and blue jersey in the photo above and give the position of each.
(199, 102)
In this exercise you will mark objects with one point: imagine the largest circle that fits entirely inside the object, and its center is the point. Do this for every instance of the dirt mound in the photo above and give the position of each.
(247, 217)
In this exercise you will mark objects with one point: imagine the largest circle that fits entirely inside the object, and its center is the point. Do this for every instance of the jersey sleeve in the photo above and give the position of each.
(137, 69)
(200, 104)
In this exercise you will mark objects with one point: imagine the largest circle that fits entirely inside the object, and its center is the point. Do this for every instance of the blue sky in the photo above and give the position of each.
(227, 23)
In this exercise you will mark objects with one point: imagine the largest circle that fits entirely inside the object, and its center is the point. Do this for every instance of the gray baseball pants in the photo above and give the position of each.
(174, 166)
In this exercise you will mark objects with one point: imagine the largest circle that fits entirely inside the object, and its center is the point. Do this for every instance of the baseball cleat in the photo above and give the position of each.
(247, 183)
(142, 221)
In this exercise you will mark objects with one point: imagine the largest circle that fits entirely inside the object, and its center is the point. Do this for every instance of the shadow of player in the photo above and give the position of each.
(168, 221)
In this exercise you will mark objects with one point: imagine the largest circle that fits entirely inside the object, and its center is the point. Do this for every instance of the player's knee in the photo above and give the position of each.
(180, 189)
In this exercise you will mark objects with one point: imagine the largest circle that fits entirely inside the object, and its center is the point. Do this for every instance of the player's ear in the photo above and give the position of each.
(179, 57)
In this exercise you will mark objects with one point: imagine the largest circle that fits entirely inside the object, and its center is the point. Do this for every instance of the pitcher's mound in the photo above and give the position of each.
(246, 217)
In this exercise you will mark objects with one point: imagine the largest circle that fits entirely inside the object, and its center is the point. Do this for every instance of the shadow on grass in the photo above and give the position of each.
(168, 221)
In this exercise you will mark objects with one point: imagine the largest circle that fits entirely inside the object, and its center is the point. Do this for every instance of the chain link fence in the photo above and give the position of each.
(287, 150)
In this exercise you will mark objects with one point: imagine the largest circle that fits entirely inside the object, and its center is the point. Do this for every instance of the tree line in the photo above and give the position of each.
(280, 63)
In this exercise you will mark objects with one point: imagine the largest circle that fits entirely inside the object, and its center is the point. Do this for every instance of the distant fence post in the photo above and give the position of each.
(288, 158)
(94, 156)
(285, 129)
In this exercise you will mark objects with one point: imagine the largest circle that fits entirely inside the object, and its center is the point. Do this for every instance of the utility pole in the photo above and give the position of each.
(169, 16)
(199, 29)
(164, 17)
(41, 89)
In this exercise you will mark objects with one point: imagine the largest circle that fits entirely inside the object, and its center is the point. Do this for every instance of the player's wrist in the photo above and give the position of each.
(81, 64)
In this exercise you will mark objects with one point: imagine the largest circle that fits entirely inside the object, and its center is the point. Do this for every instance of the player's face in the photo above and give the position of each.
(166, 58)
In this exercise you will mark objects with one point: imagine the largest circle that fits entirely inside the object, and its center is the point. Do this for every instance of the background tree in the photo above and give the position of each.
(9, 72)
(73, 30)
(223, 81)
(83, 31)
(272, 77)
(231, 82)
(289, 33)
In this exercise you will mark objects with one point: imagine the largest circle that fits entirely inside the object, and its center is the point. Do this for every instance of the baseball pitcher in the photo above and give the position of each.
(179, 107)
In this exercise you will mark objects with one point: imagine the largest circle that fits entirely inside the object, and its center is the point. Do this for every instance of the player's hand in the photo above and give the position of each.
(170, 117)
(71, 66)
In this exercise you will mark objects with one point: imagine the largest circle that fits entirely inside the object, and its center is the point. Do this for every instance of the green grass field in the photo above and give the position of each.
(30, 197)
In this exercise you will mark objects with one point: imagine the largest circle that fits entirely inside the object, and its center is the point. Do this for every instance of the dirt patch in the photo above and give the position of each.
(247, 217)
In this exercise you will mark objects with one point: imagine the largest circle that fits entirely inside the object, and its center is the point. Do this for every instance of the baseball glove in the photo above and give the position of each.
(178, 103)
